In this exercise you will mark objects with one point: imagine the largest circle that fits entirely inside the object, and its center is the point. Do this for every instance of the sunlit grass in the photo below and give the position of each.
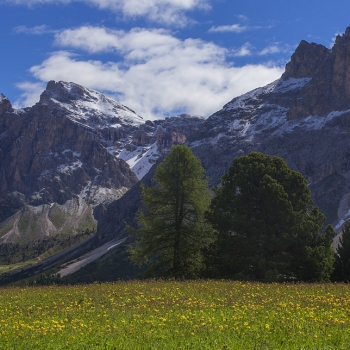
(22, 264)
(176, 315)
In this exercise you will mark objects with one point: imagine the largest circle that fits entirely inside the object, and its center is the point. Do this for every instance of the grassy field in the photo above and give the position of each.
(176, 315)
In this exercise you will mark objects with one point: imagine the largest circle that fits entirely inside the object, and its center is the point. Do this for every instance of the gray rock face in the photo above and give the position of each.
(329, 88)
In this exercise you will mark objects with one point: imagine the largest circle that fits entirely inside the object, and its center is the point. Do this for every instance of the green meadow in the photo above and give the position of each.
(176, 315)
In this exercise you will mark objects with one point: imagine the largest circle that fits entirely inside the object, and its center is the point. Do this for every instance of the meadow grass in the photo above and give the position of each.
(176, 315)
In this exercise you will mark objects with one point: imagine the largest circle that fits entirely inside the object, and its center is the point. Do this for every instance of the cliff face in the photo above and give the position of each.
(48, 158)
(329, 88)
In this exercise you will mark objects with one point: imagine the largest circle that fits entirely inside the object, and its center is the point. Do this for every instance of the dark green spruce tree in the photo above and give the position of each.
(172, 231)
(269, 228)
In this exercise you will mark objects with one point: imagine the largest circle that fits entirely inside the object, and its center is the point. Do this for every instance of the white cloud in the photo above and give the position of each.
(158, 73)
(236, 28)
(37, 30)
(31, 93)
(138, 43)
(244, 50)
(243, 17)
(165, 11)
(276, 48)
(270, 50)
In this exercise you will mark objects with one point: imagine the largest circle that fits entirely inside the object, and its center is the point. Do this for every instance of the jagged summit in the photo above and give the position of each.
(305, 60)
(328, 71)
(87, 106)
(343, 39)
(5, 104)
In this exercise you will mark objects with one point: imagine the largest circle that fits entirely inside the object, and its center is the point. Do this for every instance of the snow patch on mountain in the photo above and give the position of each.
(278, 86)
(95, 195)
(274, 121)
(89, 107)
(69, 168)
(277, 119)
(141, 159)
(290, 84)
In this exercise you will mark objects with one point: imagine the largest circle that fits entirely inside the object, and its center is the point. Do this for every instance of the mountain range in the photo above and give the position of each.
(70, 165)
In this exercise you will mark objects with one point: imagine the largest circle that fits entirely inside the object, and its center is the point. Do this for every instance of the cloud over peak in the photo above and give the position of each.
(157, 73)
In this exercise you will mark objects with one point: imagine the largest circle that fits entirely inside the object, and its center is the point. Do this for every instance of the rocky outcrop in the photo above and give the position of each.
(5, 105)
(305, 61)
(177, 130)
(329, 87)
(154, 139)
(49, 158)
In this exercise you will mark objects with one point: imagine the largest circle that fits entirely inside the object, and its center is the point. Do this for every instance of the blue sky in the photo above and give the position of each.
(158, 57)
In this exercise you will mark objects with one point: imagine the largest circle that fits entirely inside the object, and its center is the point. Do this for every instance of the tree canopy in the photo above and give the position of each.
(172, 231)
(269, 228)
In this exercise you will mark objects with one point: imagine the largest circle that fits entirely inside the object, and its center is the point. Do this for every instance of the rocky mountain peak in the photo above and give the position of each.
(343, 39)
(5, 104)
(73, 150)
(328, 88)
(305, 60)
(88, 106)
(63, 92)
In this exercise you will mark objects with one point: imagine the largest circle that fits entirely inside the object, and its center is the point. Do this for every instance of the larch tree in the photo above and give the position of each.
(172, 230)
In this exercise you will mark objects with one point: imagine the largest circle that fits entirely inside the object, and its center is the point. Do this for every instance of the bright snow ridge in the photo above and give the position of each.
(278, 86)
(141, 159)
(290, 84)
(276, 119)
(95, 109)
